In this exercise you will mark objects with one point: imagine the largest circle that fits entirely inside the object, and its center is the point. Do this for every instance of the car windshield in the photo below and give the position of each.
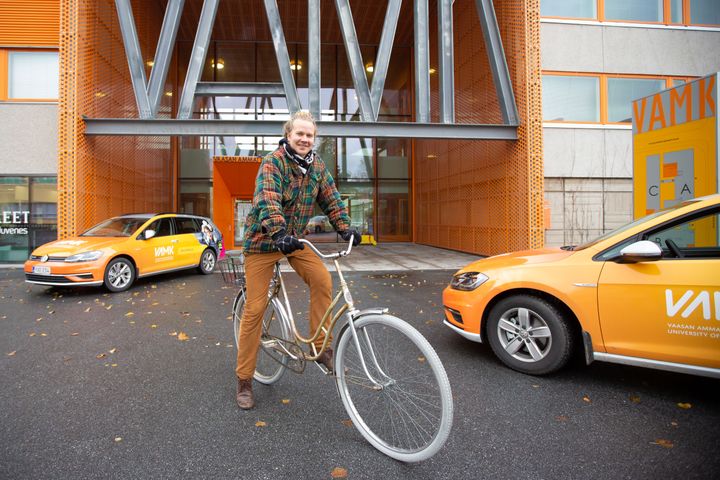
(629, 226)
(116, 227)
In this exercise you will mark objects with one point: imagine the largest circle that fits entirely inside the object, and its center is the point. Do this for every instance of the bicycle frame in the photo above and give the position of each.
(348, 309)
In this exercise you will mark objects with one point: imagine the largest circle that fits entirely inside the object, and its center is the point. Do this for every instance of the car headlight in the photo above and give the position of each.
(468, 280)
(85, 256)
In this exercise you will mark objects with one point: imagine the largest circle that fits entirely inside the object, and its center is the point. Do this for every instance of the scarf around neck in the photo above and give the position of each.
(299, 160)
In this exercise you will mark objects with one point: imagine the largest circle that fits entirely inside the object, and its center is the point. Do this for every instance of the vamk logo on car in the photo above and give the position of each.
(703, 299)
(164, 253)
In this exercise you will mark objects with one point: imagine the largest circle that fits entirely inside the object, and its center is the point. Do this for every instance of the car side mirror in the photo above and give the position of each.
(642, 251)
(148, 234)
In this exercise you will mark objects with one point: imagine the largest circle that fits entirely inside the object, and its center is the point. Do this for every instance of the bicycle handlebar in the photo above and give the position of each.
(329, 256)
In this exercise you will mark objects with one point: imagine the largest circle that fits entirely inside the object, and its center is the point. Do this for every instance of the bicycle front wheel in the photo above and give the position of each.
(271, 362)
(408, 413)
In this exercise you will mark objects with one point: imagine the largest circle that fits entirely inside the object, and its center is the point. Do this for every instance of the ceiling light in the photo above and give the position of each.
(150, 63)
(295, 65)
(168, 94)
(370, 68)
(432, 71)
(220, 64)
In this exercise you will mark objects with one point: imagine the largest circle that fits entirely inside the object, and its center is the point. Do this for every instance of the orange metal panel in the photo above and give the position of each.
(30, 23)
(486, 197)
(104, 176)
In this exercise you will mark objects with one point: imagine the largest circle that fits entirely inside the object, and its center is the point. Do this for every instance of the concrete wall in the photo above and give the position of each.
(588, 168)
(614, 49)
(28, 135)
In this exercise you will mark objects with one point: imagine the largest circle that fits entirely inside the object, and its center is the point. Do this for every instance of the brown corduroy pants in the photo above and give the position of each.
(259, 269)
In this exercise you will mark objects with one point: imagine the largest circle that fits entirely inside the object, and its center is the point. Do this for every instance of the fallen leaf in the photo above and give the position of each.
(684, 406)
(285, 401)
(347, 423)
(118, 439)
(663, 443)
(112, 350)
(87, 309)
(114, 365)
(43, 334)
(260, 423)
(153, 326)
(561, 418)
(183, 337)
(674, 423)
(33, 334)
(129, 314)
(74, 334)
(100, 355)
(12, 354)
(536, 386)
(634, 399)
(173, 334)
(38, 319)
(108, 307)
(586, 399)
(339, 472)
(421, 359)
(185, 314)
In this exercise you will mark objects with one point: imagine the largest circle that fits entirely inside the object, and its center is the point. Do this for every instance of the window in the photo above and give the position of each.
(597, 98)
(162, 227)
(704, 12)
(669, 12)
(571, 98)
(186, 225)
(634, 10)
(569, 8)
(622, 92)
(32, 75)
(694, 238)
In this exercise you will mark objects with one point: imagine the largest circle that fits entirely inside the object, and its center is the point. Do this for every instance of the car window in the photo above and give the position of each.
(115, 227)
(186, 225)
(162, 227)
(696, 237)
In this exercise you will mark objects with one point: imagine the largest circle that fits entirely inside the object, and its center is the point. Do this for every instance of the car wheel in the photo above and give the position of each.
(119, 275)
(529, 335)
(207, 262)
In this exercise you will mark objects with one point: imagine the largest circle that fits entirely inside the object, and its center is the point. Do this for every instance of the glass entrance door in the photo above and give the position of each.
(241, 210)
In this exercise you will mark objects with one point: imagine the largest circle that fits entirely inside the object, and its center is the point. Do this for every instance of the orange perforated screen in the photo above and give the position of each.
(103, 176)
(29, 23)
(485, 196)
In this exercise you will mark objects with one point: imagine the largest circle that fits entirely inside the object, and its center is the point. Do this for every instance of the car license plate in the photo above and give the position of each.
(41, 270)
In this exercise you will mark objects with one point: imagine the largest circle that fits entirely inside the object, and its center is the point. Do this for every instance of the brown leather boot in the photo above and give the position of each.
(327, 359)
(244, 397)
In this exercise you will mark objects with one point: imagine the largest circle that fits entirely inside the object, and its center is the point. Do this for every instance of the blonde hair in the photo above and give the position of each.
(299, 115)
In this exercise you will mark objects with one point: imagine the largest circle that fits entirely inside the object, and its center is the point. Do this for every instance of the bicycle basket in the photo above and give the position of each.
(232, 269)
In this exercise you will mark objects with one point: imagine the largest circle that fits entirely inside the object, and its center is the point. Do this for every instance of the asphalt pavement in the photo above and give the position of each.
(140, 385)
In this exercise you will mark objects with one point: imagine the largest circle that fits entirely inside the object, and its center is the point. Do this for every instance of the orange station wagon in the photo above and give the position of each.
(117, 251)
(646, 294)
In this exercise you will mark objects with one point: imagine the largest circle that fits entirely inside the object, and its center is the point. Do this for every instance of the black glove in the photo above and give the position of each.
(351, 232)
(286, 243)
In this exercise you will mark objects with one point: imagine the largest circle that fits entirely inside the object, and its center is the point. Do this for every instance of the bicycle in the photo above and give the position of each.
(388, 376)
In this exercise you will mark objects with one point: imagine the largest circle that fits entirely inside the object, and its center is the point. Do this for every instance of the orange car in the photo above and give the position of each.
(117, 251)
(646, 294)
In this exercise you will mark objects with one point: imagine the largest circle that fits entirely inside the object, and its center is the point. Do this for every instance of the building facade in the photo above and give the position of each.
(598, 56)
(29, 70)
(472, 174)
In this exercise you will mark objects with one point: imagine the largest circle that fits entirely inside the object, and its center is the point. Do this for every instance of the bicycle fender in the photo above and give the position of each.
(369, 311)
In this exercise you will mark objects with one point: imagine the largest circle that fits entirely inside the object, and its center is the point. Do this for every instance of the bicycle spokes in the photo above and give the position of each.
(285, 352)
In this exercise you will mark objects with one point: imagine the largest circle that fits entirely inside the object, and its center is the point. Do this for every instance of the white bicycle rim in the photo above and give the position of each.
(410, 418)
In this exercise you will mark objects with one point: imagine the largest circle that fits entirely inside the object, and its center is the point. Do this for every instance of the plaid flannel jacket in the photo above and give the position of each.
(284, 200)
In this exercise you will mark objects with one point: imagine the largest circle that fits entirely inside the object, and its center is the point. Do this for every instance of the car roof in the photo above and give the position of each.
(151, 215)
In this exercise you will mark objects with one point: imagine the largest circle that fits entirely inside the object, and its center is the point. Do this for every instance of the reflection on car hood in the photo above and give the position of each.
(73, 245)
(525, 257)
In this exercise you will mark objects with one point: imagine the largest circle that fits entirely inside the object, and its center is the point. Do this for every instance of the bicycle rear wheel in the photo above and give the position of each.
(271, 364)
(409, 417)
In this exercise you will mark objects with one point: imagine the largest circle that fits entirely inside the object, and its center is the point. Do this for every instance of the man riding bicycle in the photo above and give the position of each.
(290, 181)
